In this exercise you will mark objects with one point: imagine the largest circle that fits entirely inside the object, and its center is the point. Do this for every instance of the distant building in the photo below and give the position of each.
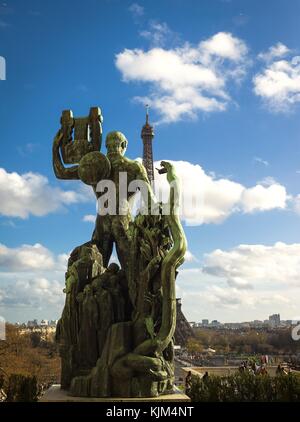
(215, 323)
(233, 325)
(257, 324)
(274, 320)
(44, 323)
(32, 324)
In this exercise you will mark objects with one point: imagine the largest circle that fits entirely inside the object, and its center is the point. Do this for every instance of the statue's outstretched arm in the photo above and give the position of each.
(61, 172)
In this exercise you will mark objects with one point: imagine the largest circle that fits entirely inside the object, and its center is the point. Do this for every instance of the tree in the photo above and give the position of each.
(35, 338)
(194, 346)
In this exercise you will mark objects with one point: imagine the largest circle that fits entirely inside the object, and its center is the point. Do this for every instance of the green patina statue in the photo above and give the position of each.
(116, 330)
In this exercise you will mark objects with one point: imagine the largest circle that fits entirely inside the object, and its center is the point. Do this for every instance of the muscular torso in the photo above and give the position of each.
(123, 172)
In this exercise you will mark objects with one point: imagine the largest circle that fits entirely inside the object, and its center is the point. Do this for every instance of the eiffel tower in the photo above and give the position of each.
(147, 136)
(183, 329)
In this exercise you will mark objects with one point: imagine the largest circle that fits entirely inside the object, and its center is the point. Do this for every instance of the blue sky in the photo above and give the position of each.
(223, 81)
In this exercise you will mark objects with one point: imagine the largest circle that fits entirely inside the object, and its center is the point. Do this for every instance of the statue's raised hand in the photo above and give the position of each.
(61, 172)
(57, 141)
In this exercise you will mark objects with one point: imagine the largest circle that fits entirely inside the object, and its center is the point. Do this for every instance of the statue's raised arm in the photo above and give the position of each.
(61, 172)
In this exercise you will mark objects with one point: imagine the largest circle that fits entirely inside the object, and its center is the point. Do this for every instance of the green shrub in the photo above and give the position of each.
(246, 387)
(21, 388)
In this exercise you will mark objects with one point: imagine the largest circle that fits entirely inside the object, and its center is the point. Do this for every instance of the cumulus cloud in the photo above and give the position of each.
(276, 51)
(31, 193)
(244, 283)
(203, 296)
(32, 276)
(250, 265)
(278, 83)
(207, 199)
(30, 257)
(233, 298)
(187, 79)
(262, 198)
(225, 297)
(37, 292)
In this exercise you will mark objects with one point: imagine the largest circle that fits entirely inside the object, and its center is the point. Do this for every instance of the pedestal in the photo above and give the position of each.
(56, 394)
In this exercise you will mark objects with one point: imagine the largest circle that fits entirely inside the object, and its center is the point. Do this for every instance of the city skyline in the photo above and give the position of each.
(273, 321)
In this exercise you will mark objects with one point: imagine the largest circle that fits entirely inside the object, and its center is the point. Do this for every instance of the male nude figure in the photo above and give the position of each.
(110, 229)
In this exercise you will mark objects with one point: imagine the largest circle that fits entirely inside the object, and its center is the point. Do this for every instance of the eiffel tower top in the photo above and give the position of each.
(147, 130)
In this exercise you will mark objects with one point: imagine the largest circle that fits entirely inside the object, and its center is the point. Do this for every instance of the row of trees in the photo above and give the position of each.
(247, 341)
(25, 359)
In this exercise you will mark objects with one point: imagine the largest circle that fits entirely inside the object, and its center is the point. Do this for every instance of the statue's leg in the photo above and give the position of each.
(120, 224)
(103, 237)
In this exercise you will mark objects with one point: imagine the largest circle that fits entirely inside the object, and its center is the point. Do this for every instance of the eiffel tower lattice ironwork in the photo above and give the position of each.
(147, 136)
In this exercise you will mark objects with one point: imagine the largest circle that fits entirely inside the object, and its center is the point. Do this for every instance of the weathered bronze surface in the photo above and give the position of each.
(117, 326)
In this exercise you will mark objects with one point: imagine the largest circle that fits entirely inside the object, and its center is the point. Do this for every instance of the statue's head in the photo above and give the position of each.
(116, 143)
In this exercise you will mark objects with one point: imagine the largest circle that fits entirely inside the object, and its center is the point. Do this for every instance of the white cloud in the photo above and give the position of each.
(31, 193)
(235, 299)
(186, 80)
(158, 33)
(136, 10)
(296, 202)
(278, 83)
(31, 276)
(206, 199)
(189, 257)
(244, 283)
(225, 45)
(89, 218)
(261, 198)
(276, 51)
(30, 257)
(252, 265)
(203, 296)
(231, 298)
(38, 292)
